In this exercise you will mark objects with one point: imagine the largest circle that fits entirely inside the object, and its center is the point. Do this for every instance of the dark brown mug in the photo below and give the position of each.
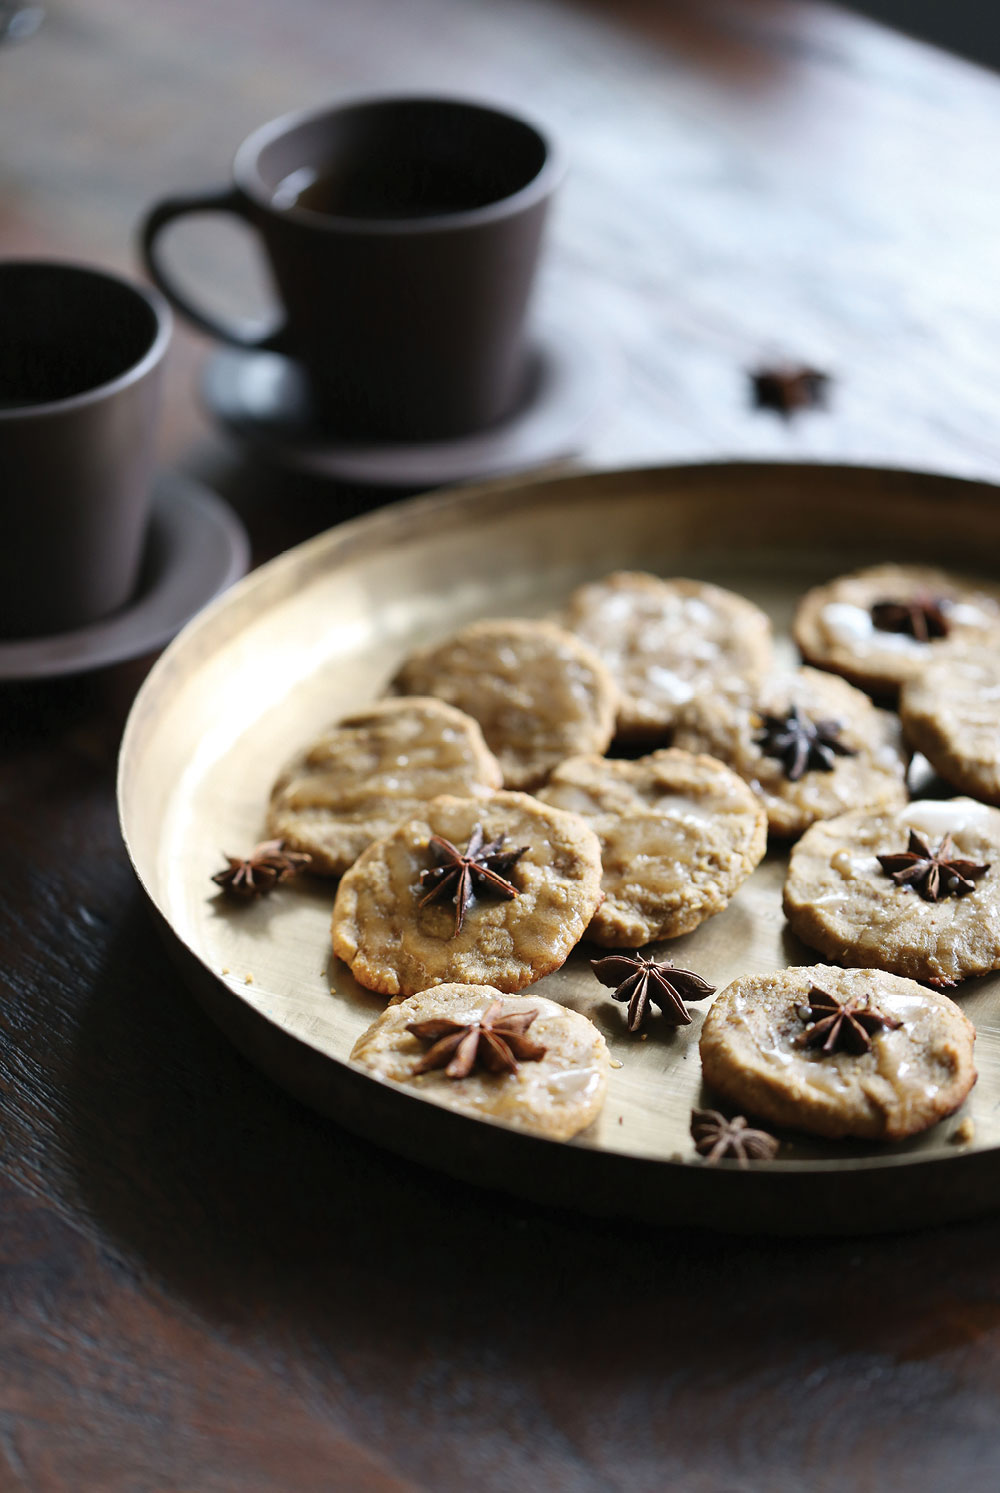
(81, 355)
(402, 236)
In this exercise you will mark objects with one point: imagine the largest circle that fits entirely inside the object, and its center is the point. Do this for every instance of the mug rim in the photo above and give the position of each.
(156, 303)
(250, 181)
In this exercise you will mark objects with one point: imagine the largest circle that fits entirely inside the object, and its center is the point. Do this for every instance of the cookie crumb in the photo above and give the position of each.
(964, 1132)
(225, 969)
(248, 980)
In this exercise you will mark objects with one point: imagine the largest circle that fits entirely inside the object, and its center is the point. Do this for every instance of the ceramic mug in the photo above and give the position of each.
(402, 236)
(81, 358)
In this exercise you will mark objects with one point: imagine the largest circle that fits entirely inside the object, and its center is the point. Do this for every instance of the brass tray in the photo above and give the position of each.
(321, 628)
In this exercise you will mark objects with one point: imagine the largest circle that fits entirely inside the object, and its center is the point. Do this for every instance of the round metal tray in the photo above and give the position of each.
(320, 630)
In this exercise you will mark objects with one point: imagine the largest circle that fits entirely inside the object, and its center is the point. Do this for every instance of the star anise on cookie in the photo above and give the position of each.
(788, 388)
(921, 616)
(841, 1026)
(933, 873)
(268, 863)
(800, 744)
(459, 876)
(494, 1042)
(715, 1137)
(643, 982)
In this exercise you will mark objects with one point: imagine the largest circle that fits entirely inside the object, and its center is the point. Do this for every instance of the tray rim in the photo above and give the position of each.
(412, 517)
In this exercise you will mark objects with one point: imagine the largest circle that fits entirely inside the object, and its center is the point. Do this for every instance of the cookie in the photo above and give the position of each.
(664, 641)
(951, 713)
(841, 900)
(372, 770)
(539, 694)
(809, 744)
(678, 834)
(556, 1095)
(398, 932)
(878, 627)
(764, 1049)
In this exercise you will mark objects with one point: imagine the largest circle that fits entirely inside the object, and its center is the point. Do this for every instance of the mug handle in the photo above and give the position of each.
(219, 200)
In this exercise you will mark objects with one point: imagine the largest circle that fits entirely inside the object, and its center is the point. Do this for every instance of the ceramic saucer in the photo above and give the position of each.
(195, 549)
(264, 400)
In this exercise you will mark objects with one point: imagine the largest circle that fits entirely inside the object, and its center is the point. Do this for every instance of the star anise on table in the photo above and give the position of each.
(643, 982)
(921, 616)
(788, 388)
(933, 873)
(494, 1042)
(715, 1137)
(459, 876)
(268, 863)
(841, 1026)
(800, 744)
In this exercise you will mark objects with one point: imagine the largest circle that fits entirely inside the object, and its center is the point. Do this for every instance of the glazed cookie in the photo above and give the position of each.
(678, 834)
(913, 915)
(371, 771)
(556, 1087)
(538, 693)
(409, 914)
(951, 713)
(664, 641)
(808, 744)
(878, 627)
(839, 1052)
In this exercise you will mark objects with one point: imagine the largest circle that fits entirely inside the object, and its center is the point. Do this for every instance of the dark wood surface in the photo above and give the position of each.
(206, 1287)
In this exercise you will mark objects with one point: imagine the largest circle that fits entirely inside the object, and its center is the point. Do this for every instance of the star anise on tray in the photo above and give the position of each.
(933, 873)
(841, 1026)
(800, 744)
(716, 1138)
(643, 982)
(494, 1042)
(788, 388)
(921, 616)
(460, 876)
(268, 863)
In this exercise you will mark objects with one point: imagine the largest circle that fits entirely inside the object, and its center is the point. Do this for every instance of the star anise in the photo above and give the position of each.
(800, 744)
(459, 876)
(260, 872)
(788, 388)
(716, 1137)
(933, 873)
(841, 1026)
(494, 1042)
(642, 982)
(921, 616)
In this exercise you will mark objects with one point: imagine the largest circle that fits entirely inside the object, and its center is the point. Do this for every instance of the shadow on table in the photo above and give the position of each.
(280, 1228)
(281, 508)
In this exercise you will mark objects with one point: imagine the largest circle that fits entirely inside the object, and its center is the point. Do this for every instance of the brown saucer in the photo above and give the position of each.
(264, 399)
(195, 548)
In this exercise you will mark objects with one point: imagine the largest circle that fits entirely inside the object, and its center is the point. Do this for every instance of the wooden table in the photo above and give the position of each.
(207, 1287)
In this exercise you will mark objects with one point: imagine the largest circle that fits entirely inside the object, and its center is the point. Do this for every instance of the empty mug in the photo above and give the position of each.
(402, 236)
(81, 356)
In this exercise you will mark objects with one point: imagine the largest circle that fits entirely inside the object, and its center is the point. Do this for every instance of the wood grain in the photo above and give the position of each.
(204, 1286)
